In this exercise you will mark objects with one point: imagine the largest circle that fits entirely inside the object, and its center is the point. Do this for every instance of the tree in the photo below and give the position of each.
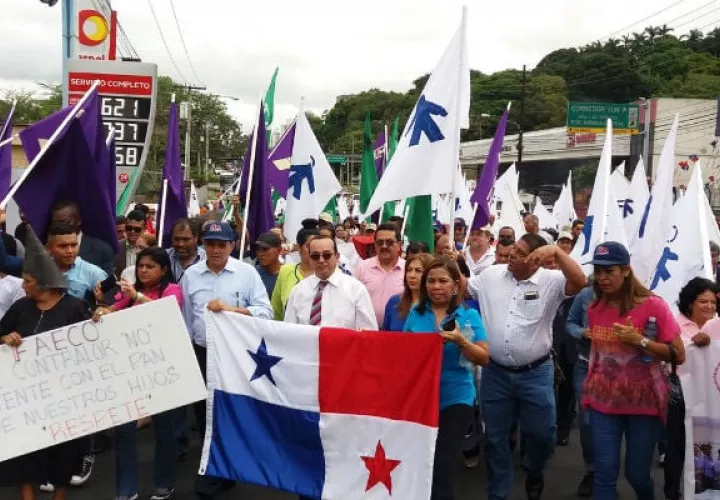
(31, 106)
(227, 143)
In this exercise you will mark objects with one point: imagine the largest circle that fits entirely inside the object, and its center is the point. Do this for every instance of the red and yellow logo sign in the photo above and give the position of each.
(92, 28)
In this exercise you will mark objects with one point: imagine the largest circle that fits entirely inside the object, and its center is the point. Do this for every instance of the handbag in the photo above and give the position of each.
(675, 425)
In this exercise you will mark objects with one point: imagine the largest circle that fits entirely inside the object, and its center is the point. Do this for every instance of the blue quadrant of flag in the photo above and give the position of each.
(263, 443)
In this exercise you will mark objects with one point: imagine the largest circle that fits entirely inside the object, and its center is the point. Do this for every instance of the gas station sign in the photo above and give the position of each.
(128, 94)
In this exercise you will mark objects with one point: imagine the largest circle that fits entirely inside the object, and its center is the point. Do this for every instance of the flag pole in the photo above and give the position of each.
(28, 170)
(385, 163)
(467, 234)
(463, 41)
(163, 202)
(7, 124)
(702, 202)
(251, 165)
(404, 224)
(9, 140)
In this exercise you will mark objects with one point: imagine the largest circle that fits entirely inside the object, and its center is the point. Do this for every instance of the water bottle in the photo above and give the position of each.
(650, 333)
(468, 333)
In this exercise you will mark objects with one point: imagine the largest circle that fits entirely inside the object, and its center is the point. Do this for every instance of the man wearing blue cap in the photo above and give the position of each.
(220, 283)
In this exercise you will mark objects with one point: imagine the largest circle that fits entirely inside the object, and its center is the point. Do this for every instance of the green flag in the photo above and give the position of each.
(331, 208)
(275, 198)
(270, 101)
(419, 226)
(122, 203)
(392, 141)
(394, 137)
(368, 174)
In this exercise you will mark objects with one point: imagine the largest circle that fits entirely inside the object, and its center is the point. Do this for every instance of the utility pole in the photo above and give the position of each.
(207, 149)
(522, 118)
(646, 137)
(188, 117)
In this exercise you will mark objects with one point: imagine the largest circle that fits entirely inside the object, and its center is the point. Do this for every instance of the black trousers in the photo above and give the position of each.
(565, 401)
(454, 423)
(201, 406)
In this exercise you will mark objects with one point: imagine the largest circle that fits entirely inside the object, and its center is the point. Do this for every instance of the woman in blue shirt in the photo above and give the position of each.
(398, 307)
(440, 306)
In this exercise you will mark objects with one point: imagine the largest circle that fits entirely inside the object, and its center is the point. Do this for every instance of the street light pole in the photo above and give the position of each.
(188, 118)
(522, 117)
(646, 137)
(482, 115)
(207, 148)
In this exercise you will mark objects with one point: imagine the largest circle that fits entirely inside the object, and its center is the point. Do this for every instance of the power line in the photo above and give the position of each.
(642, 20)
(691, 12)
(167, 48)
(698, 17)
(182, 40)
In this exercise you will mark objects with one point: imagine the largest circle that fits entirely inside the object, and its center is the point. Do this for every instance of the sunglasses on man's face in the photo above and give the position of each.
(385, 243)
(133, 229)
(326, 256)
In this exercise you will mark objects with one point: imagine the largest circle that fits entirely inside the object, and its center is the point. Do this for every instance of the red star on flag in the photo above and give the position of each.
(380, 468)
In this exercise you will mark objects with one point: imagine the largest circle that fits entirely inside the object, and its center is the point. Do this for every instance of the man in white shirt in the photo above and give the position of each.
(479, 255)
(518, 302)
(329, 297)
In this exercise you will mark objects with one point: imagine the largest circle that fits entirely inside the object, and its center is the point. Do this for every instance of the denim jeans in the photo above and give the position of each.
(528, 397)
(166, 445)
(586, 442)
(641, 435)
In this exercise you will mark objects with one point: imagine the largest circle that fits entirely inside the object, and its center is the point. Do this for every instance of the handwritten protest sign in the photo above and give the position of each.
(81, 379)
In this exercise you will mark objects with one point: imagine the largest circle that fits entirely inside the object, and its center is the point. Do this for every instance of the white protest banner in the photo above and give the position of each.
(700, 378)
(77, 380)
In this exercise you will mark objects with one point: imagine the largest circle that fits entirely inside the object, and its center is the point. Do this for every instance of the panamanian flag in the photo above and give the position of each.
(322, 412)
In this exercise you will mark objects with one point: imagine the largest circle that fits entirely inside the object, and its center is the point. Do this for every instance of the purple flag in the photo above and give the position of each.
(486, 183)
(6, 155)
(380, 152)
(75, 168)
(260, 216)
(175, 206)
(278, 167)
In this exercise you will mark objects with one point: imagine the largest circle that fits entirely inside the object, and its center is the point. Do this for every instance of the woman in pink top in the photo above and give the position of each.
(698, 304)
(626, 389)
(153, 280)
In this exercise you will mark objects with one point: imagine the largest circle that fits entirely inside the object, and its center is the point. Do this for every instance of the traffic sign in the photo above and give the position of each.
(591, 117)
(127, 104)
(336, 159)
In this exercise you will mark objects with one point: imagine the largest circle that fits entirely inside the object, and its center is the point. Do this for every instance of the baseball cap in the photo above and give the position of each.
(611, 253)
(460, 222)
(371, 227)
(326, 217)
(220, 231)
(268, 240)
(565, 235)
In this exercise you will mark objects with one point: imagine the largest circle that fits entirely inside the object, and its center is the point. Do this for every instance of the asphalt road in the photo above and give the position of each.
(561, 479)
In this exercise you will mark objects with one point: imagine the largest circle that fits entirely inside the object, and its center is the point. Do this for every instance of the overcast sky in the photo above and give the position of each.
(326, 48)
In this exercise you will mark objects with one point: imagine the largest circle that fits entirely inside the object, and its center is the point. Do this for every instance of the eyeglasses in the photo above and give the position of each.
(326, 256)
(385, 243)
(133, 229)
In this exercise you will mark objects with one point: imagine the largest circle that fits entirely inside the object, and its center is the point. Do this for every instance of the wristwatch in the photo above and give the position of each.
(139, 296)
(644, 343)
